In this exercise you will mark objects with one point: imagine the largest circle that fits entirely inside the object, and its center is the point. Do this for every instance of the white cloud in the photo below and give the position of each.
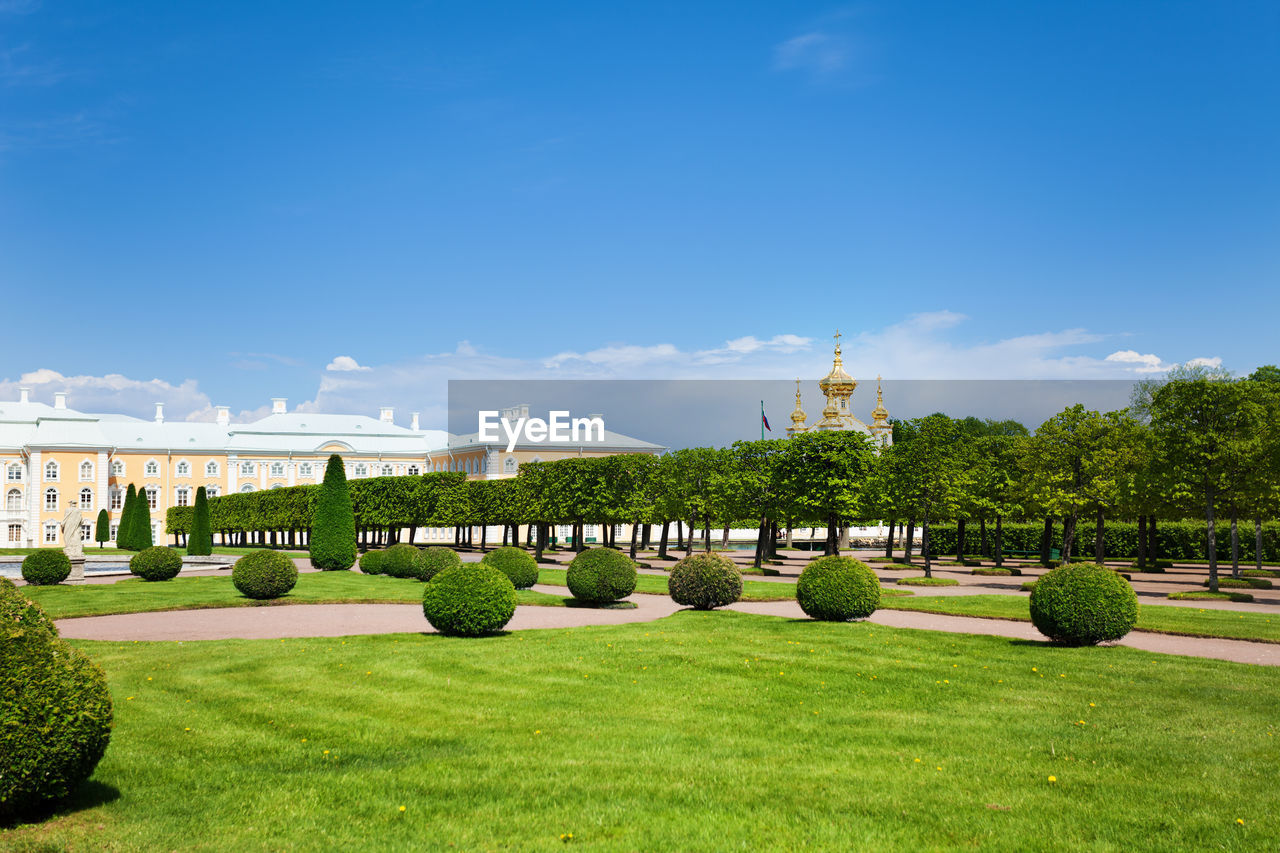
(110, 393)
(819, 53)
(1215, 361)
(1142, 362)
(344, 363)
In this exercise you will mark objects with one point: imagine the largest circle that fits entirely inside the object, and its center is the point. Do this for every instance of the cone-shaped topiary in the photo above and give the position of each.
(469, 600)
(1083, 604)
(705, 581)
(371, 562)
(140, 528)
(102, 528)
(515, 563)
(55, 709)
(200, 536)
(264, 574)
(124, 531)
(601, 575)
(46, 567)
(402, 561)
(157, 563)
(333, 524)
(435, 560)
(837, 589)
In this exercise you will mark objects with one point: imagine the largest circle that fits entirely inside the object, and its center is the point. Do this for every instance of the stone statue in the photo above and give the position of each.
(72, 538)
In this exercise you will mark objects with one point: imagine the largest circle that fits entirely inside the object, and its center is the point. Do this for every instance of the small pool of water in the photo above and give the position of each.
(91, 567)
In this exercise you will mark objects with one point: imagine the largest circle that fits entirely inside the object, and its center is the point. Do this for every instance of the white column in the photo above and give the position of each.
(35, 499)
(103, 497)
(233, 475)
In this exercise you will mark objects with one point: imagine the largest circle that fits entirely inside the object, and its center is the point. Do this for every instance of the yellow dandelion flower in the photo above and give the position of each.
(917, 761)
(1053, 778)
(1240, 821)
(402, 808)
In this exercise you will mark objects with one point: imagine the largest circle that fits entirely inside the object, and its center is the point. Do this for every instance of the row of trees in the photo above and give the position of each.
(1201, 443)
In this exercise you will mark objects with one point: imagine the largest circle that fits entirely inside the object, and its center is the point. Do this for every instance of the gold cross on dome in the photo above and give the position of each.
(837, 337)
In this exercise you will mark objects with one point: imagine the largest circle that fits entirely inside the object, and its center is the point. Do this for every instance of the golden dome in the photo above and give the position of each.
(837, 380)
(798, 417)
(879, 415)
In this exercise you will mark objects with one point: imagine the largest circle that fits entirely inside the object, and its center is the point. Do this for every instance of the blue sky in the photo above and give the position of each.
(223, 203)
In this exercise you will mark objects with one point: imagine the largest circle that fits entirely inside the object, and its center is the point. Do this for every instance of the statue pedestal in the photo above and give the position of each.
(77, 570)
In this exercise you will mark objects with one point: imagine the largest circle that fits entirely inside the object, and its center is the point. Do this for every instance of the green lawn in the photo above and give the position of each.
(92, 552)
(704, 731)
(135, 596)
(751, 590)
(1163, 619)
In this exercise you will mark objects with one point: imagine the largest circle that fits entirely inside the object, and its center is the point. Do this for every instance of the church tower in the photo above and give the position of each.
(838, 386)
(798, 417)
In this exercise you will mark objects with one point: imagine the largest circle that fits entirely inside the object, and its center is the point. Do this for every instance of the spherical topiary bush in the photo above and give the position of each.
(515, 564)
(435, 560)
(469, 600)
(401, 561)
(1083, 604)
(156, 563)
(705, 581)
(264, 574)
(45, 567)
(601, 575)
(55, 709)
(371, 562)
(837, 589)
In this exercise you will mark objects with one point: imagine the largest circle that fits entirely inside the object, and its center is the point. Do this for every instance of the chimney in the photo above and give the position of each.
(59, 399)
(224, 415)
(279, 405)
(24, 395)
(414, 424)
(159, 413)
(387, 415)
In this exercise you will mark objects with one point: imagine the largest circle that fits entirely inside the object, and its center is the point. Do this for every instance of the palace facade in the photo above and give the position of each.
(51, 455)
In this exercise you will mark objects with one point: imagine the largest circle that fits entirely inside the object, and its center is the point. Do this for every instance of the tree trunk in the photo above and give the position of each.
(484, 537)
(1235, 545)
(772, 553)
(1211, 540)
(1142, 542)
(1257, 542)
(706, 536)
(790, 532)
(960, 540)
(888, 544)
(833, 533)
(724, 537)
(761, 533)
(1069, 536)
(1153, 542)
(909, 543)
(1046, 541)
(506, 532)
(645, 533)
(679, 535)
(662, 541)
(688, 545)
(1099, 554)
(635, 532)
(983, 550)
(925, 548)
(542, 538)
(999, 551)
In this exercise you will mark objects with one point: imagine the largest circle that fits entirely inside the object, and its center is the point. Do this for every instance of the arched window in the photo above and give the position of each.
(151, 469)
(509, 465)
(15, 474)
(184, 468)
(211, 469)
(152, 496)
(414, 470)
(210, 491)
(387, 470)
(50, 470)
(246, 469)
(51, 500)
(86, 499)
(117, 468)
(247, 487)
(362, 470)
(277, 469)
(306, 470)
(13, 500)
(183, 496)
(278, 486)
(86, 471)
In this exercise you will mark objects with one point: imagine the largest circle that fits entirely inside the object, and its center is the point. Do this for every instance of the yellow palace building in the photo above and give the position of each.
(52, 455)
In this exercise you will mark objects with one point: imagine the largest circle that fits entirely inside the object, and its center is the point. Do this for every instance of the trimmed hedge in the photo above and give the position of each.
(601, 575)
(1260, 573)
(837, 589)
(46, 567)
(996, 572)
(1211, 596)
(516, 564)
(156, 563)
(922, 580)
(1083, 604)
(1242, 583)
(333, 524)
(705, 581)
(402, 561)
(469, 600)
(1175, 540)
(371, 562)
(55, 710)
(437, 559)
(264, 575)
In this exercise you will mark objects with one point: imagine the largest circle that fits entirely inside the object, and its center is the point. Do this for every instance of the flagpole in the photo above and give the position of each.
(762, 420)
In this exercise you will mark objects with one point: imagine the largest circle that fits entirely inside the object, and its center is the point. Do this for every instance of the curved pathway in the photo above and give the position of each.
(338, 620)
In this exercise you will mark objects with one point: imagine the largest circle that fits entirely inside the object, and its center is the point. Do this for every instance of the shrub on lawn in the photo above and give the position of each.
(924, 581)
(1211, 596)
(1242, 583)
(435, 560)
(516, 563)
(469, 600)
(997, 572)
(401, 561)
(371, 562)
(55, 709)
(601, 575)
(264, 574)
(705, 581)
(1260, 573)
(200, 537)
(156, 563)
(837, 589)
(46, 567)
(333, 524)
(1083, 604)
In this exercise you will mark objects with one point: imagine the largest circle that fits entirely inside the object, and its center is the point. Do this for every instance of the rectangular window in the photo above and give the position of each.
(86, 533)
(151, 498)
(182, 497)
(51, 534)
(51, 500)
(15, 474)
(117, 500)
(15, 533)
